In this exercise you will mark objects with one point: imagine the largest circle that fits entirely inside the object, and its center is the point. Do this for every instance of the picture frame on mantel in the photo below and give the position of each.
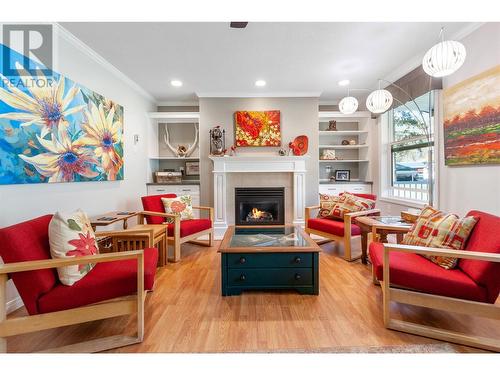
(192, 168)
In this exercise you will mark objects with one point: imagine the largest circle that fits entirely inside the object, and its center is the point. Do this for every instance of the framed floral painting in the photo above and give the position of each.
(55, 130)
(258, 129)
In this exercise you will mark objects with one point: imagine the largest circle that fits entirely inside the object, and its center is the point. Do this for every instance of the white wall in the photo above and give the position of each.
(463, 188)
(298, 116)
(22, 202)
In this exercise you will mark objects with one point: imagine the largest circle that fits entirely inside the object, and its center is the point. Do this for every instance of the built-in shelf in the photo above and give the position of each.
(342, 132)
(175, 117)
(344, 161)
(345, 147)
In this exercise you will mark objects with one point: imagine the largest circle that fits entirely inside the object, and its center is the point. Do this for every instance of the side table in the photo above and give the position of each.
(379, 226)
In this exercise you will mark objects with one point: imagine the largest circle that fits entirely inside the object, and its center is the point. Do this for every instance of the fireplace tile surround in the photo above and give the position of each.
(223, 166)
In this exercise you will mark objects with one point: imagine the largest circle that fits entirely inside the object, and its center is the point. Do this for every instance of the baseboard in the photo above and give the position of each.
(14, 304)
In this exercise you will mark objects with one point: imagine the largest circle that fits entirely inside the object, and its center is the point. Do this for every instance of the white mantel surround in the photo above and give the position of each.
(257, 164)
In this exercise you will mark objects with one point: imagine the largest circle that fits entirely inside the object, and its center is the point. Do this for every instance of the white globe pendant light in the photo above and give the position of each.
(379, 101)
(348, 105)
(444, 58)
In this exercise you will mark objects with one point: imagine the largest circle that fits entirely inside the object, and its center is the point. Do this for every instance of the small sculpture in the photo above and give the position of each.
(352, 142)
(345, 142)
(282, 152)
(299, 145)
(181, 151)
(217, 141)
(332, 125)
(232, 150)
(328, 154)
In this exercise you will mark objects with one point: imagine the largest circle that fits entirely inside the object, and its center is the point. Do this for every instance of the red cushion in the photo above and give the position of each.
(154, 203)
(106, 281)
(331, 226)
(484, 238)
(415, 272)
(189, 227)
(23, 242)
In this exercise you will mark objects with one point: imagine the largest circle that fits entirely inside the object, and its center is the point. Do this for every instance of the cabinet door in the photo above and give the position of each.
(336, 189)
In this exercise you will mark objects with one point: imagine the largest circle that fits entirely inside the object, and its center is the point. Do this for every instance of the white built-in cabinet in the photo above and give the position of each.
(353, 157)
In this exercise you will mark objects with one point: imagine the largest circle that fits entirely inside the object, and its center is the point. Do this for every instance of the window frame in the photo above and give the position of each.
(387, 168)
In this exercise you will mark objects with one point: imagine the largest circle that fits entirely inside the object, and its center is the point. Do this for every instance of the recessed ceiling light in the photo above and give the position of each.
(260, 83)
(176, 83)
(344, 82)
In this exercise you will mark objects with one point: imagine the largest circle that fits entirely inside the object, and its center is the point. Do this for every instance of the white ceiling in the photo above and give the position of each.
(294, 58)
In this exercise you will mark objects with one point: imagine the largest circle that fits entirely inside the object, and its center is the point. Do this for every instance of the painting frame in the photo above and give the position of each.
(471, 120)
(257, 128)
(342, 175)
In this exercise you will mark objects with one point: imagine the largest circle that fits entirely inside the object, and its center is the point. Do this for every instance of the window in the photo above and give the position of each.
(411, 141)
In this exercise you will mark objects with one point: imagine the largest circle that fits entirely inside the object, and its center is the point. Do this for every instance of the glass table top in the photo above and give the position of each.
(289, 236)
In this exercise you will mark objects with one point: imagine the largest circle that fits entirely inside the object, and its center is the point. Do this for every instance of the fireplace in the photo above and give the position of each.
(260, 206)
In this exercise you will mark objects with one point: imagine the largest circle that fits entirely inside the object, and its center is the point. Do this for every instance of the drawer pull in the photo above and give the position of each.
(242, 278)
(243, 260)
(297, 276)
(297, 260)
(160, 189)
(186, 189)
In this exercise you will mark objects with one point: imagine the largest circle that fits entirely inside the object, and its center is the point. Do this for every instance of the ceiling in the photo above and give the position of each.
(295, 59)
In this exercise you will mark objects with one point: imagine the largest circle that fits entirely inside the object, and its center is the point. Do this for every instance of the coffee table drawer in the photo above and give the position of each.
(278, 277)
(269, 260)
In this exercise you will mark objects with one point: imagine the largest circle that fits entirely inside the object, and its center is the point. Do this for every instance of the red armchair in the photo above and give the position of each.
(180, 231)
(336, 230)
(115, 286)
(472, 288)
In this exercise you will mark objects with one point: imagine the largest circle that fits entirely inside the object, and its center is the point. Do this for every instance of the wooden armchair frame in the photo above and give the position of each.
(176, 239)
(393, 293)
(346, 239)
(102, 310)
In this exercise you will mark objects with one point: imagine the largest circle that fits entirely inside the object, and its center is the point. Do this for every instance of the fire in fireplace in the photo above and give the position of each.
(258, 215)
(260, 206)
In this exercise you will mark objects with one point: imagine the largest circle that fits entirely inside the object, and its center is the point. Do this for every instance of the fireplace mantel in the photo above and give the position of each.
(257, 164)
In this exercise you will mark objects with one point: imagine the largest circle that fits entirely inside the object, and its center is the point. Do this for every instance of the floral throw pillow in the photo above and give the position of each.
(335, 206)
(71, 235)
(434, 228)
(181, 206)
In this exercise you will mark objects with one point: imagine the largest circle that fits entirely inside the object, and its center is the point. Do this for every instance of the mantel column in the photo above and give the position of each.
(220, 199)
(299, 197)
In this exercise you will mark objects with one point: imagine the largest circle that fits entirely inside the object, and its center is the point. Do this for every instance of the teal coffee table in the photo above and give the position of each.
(269, 258)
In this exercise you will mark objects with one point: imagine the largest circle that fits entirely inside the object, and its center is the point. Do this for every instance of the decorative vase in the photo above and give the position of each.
(345, 142)
(281, 152)
(217, 141)
(299, 145)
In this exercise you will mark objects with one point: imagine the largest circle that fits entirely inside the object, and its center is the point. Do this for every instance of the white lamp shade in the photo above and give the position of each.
(348, 105)
(379, 101)
(444, 58)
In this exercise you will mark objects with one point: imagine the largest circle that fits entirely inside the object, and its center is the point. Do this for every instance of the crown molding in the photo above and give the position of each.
(416, 60)
(178, 103)
(284, 94)
(79, 44)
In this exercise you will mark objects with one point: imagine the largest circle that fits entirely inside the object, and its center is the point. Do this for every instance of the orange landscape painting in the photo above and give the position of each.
(472, 120)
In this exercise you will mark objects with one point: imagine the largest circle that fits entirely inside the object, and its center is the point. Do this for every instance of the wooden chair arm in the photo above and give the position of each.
(463, 254)
(307, 213)
(204, 208)
(152, 213)
(54, 263)
(375, 212)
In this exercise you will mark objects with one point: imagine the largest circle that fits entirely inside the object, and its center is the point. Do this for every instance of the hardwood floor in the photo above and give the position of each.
(186, 313)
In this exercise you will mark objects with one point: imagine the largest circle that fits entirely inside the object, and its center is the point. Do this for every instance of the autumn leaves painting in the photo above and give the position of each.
(472, 120)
